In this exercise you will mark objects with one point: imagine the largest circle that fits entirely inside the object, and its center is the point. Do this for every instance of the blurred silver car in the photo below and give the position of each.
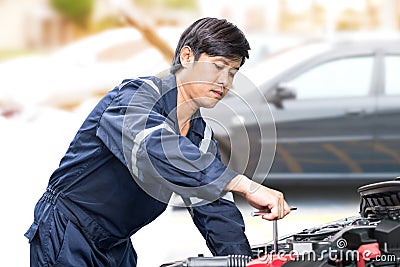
(335, 106)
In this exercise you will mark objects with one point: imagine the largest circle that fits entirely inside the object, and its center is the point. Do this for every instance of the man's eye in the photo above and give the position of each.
(219, 67)
(232, 74)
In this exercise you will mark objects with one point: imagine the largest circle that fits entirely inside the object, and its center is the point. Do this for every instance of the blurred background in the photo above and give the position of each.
(43, 25)
(58, 57)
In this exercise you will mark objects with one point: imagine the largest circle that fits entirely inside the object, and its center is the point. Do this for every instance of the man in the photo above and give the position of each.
(143, 141)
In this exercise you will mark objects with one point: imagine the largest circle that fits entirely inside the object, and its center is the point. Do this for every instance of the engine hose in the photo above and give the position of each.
(218, 261)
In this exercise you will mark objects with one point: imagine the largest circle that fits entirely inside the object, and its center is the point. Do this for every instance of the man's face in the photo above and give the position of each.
(208, 79)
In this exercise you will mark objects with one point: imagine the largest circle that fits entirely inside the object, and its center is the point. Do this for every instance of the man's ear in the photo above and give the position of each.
(186, 56)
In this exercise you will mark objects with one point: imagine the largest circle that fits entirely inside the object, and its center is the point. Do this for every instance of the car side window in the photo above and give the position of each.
(392, 78)
(345, 77)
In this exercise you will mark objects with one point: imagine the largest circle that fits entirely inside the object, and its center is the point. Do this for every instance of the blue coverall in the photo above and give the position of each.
(118, 174)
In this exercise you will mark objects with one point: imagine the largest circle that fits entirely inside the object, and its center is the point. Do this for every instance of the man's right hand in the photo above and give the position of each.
(260, 197)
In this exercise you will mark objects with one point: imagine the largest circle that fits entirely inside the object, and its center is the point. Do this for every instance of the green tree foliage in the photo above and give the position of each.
(181, 4)
(173, 4)
(78, 11)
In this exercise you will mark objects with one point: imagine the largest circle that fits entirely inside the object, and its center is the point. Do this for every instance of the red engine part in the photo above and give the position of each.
(271, 261)
(367, 252)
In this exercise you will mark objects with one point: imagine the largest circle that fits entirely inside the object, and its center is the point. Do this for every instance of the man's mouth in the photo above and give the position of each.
(218, 93)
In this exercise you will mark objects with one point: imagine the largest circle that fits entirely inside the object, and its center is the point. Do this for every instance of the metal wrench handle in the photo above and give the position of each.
(275, 235)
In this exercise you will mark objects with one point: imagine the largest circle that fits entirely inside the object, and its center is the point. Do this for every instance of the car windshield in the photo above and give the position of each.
(277, 63)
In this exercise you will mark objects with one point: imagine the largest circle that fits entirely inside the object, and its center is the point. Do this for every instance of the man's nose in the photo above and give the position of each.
(223, 78)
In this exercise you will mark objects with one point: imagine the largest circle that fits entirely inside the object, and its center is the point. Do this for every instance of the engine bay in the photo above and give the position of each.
(371, 238)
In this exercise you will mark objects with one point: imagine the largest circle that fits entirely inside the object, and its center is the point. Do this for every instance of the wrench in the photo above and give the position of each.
(274, 227)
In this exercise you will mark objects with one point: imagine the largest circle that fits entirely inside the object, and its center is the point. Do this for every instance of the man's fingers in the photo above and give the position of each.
(274, 214)
(270, 215)
(288, 209)
(281, 209)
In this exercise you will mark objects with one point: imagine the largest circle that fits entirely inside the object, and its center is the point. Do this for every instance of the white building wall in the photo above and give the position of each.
(12, 22)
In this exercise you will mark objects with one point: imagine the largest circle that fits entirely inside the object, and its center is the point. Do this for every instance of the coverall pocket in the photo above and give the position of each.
(51, 236)
(77, 250)
(63, 250)
(31, 233)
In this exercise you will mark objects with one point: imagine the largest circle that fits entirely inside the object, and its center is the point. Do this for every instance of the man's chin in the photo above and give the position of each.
(210, 104)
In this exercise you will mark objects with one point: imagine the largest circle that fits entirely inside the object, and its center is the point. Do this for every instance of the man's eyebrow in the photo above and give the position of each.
(227, 63)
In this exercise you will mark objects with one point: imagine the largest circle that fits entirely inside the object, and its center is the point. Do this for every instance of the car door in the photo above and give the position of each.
(326, 130)
(386, 162)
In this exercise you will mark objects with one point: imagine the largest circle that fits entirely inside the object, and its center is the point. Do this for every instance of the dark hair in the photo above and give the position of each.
(215, 37)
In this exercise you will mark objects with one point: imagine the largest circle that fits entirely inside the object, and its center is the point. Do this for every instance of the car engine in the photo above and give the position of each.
(370, 239)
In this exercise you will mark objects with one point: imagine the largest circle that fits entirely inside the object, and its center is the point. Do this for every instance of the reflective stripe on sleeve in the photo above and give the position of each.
(152, 84)
(195, 200)
(138, 140)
